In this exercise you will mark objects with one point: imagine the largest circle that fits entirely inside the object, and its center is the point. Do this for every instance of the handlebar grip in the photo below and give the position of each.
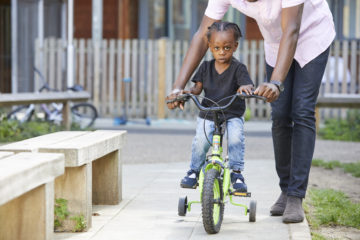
(182, 97)
(243, 96)
(260, 97)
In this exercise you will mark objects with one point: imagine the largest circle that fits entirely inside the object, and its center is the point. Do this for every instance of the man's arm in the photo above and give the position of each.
(290, 24)
(196, 51)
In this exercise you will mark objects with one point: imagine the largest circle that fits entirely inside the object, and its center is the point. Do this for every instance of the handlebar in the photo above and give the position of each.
(185, 97)
(45, 85)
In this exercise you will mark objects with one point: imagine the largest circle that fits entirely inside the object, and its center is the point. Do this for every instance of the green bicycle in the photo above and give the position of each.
(214, 179)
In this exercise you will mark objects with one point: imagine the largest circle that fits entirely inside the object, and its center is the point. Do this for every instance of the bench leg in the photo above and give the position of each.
(107, 179)
(49, 201)
(75, 187)
(66, 115)
(29, 216)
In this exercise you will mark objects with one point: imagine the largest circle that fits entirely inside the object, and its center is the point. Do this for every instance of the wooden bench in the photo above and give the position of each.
(93, 167)
(334, 100)
(27, 195)
(10, 99)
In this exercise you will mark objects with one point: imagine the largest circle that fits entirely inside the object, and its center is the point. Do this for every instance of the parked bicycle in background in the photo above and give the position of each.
(83, 114)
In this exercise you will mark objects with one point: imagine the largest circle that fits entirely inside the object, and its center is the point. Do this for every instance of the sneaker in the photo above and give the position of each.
(190, 180)
(238, 182)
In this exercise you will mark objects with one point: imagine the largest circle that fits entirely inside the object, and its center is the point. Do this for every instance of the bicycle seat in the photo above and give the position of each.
(76, 88)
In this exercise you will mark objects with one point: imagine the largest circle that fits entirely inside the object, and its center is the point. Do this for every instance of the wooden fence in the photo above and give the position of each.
(132, 77)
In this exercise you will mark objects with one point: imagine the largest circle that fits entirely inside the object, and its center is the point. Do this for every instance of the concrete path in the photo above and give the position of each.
(149, 208)
(156, 157)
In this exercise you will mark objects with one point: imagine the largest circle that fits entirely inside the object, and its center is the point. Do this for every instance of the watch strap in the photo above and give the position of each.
(278, 84)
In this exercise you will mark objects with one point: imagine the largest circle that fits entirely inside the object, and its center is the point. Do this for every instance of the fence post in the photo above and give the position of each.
(38, 65)
(96, 74)
(162, 78)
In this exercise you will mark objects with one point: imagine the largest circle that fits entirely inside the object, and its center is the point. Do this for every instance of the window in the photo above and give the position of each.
(346, 15)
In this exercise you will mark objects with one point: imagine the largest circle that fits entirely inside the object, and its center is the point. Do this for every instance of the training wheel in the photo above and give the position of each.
(182, 206)
(252, 211)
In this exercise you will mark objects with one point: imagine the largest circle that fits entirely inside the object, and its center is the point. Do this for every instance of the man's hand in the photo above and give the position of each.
(247, 89)
(172, 96)
(268, 90)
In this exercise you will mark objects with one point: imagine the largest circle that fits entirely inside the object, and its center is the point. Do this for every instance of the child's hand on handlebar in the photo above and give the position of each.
(247, 89)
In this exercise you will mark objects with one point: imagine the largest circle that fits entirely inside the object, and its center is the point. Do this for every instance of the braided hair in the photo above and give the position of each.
(224, 26)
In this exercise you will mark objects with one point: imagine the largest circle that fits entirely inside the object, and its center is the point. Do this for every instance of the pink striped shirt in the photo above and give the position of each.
(317, 29)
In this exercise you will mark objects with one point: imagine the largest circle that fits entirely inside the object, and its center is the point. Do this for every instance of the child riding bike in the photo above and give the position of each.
(221, 77)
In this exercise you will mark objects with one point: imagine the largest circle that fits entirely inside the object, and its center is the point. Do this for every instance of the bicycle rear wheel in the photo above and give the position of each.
(84, 114)
(212, 202)
(21, 113)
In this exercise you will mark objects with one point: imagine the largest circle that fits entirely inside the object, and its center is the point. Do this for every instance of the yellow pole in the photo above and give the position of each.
(162, 78)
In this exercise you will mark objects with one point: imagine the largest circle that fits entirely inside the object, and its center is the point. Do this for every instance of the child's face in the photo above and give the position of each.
(222, 45)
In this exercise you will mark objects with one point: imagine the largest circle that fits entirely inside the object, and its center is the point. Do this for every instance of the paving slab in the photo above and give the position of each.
(149, 208)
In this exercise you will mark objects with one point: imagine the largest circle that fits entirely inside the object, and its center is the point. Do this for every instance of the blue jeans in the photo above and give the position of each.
(293, 127)
(200, 146)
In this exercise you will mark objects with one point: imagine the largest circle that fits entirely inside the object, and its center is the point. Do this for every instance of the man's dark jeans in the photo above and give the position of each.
(293, 127)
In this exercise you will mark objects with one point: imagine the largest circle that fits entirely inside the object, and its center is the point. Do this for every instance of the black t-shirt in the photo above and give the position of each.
(218, 86)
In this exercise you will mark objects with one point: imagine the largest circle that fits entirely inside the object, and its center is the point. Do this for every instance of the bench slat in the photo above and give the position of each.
(25, 171)
(8, 99)
(86, 148)
(339, 100)
(33, 144)
(5, 154)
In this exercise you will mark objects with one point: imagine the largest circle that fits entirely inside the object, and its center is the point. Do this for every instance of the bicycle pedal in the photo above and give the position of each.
(241, 194)
(189, 187)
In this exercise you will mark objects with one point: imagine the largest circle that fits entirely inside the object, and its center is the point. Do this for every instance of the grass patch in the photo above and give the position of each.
(328, 207)
(317, 236)
(352, 168)
(343, 129)
(324, 164)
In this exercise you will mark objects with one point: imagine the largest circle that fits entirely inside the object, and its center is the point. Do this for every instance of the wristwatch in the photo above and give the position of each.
(278, 84)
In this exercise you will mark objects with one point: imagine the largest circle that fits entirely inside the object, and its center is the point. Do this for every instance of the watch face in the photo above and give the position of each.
(281, 87)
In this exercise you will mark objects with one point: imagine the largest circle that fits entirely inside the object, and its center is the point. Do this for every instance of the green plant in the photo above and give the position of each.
(14, 131)
(329, 207)
(11, 131)
(80, 223)
(61, 211)
(345, 130)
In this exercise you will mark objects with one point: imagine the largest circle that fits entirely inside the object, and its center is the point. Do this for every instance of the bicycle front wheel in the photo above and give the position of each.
(84, 114)
(212, 202)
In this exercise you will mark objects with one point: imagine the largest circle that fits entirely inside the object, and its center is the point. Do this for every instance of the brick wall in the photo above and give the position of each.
(120, 18)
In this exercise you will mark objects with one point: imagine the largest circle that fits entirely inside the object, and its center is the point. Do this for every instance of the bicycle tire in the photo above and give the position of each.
(252, 211)
(17, 114)
(212, 202)
(85, 114)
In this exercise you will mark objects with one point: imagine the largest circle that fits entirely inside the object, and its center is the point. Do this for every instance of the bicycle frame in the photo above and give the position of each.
(216, 162)
(214, 178)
